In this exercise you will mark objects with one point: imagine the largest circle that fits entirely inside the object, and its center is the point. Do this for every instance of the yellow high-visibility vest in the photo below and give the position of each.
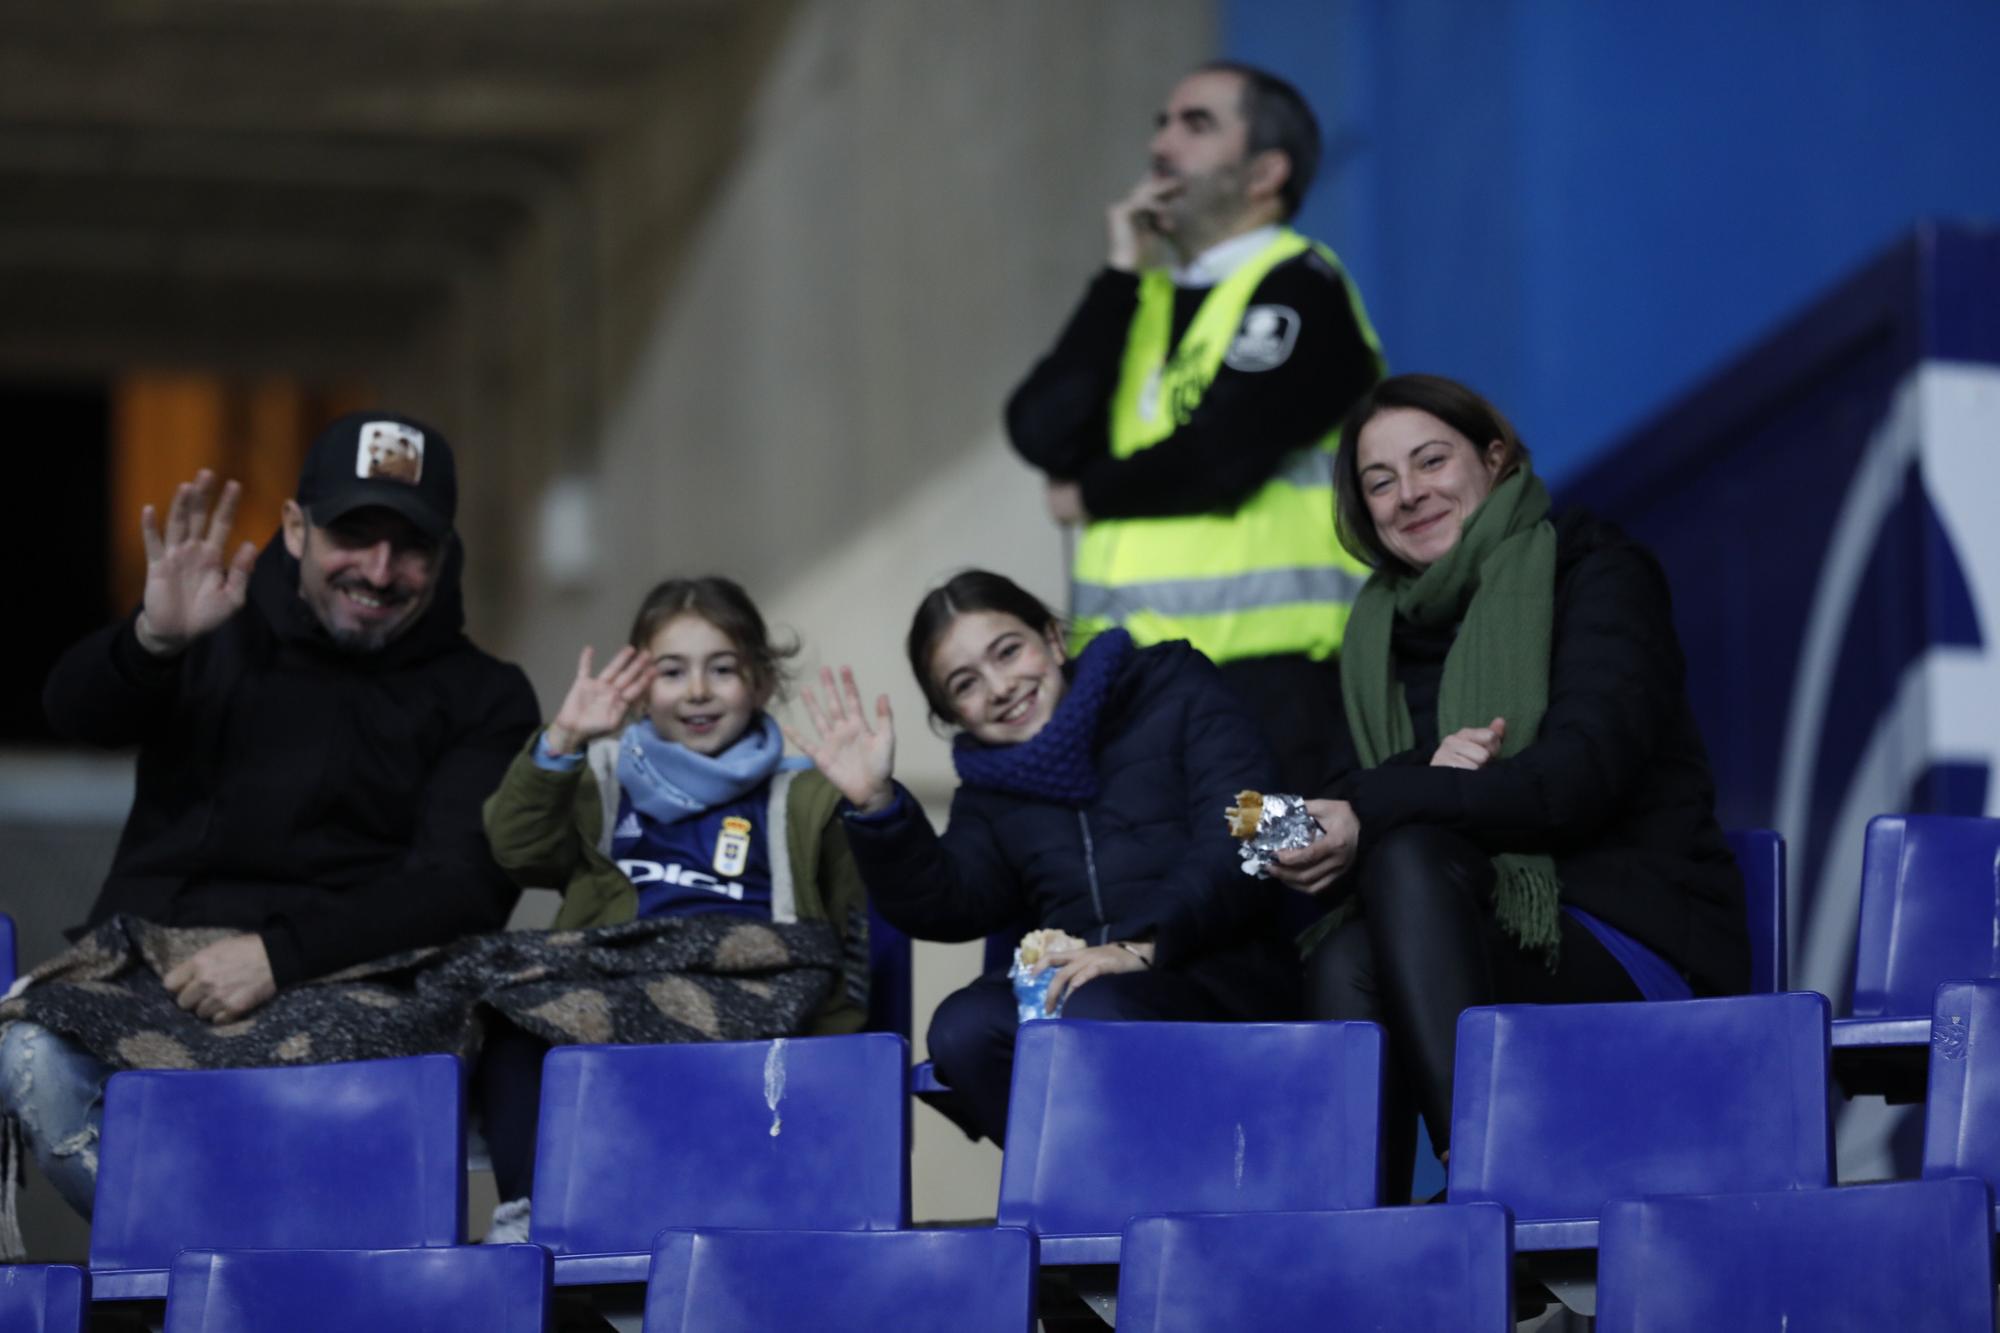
(1270, 577)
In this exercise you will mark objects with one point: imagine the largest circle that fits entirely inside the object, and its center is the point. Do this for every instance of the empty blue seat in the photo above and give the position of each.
(1109, 1121)
(364, 1155)
(1929, 914)
(8, 960)
(808, 1133)
(43, 1298)
(842, 1281)
(442, 1289)
(1448, 1269)
(1760, 855)
(1962, 1113)
(1557, 1109)
(1913, 1254)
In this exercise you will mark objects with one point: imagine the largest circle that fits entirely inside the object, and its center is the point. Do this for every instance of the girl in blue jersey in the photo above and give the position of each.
(693, 807)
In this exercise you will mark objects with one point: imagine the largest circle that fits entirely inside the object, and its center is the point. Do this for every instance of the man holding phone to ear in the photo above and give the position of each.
(1186, 417)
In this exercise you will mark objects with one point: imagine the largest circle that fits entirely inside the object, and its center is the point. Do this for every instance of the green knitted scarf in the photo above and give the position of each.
(1498, 585)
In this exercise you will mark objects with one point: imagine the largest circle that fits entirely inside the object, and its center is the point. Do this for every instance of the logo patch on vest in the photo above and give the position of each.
(732, 846)
(1149, 397)
(1264, 342)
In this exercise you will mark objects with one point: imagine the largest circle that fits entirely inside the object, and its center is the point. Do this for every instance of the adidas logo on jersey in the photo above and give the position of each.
(628, 827)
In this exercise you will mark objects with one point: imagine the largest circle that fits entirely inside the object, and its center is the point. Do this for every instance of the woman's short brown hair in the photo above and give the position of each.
(1450, 402)
(723, 604)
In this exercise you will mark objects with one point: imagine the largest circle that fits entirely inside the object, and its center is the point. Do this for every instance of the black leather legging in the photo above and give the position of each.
(1423, 948)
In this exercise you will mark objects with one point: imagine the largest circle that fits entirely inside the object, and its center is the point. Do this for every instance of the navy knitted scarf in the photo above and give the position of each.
(1059, 762)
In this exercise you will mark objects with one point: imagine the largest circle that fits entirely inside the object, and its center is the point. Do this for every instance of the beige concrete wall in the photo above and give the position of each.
(914, 207)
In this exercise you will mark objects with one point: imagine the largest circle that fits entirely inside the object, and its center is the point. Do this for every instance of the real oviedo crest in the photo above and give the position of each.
(732, 846)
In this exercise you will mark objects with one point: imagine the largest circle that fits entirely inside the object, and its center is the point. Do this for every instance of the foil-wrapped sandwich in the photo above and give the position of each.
(1031, 988)
(1267, 825)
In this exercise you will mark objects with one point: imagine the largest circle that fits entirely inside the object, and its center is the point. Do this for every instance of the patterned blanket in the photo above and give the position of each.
(707, 977)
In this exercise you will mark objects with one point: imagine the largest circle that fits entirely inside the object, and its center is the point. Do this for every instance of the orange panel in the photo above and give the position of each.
(267, 454)
(164, 429)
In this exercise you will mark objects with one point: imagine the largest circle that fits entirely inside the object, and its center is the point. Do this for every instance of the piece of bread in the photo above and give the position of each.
(1036, 943)
(1245, 815)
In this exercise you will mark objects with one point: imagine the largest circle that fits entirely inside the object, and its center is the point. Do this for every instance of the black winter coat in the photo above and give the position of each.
(328, 801)
(1150, 859)
(1616, 786)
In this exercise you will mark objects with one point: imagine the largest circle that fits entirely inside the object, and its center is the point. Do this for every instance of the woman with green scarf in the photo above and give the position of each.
(1527, 813)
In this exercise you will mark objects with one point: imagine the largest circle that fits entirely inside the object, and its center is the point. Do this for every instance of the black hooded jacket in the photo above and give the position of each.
(326, 800)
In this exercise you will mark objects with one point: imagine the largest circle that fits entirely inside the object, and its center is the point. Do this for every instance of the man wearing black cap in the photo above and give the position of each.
(316, 735)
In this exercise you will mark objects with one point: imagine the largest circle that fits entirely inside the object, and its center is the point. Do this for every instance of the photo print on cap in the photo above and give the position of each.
(390, 451)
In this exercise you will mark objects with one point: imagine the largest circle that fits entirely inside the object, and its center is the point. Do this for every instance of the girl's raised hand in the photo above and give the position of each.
(599, 705)
(853, 755)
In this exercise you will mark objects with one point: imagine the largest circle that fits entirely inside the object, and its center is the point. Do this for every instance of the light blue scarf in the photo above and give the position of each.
(669, 782)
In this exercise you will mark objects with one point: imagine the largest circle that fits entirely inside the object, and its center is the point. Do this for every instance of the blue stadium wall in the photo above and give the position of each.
(1585, 208)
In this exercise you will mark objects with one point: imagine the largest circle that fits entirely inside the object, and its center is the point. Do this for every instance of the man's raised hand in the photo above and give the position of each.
(191, 586)
(1136, 225)
(598, 705)
(854, 756)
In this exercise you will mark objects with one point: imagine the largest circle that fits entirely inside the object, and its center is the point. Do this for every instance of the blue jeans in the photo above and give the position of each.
(56, 1089)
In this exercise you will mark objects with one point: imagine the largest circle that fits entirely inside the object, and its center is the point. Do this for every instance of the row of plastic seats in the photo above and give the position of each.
(475, 1288)
(1110, 1121)
(1560, 1109)
(1909, 1254)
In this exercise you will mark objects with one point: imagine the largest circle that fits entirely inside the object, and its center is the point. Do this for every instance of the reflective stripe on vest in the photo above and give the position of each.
(1270, 577)
(1257, 590)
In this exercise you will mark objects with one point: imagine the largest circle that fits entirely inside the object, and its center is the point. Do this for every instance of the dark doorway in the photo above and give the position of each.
(55, 544)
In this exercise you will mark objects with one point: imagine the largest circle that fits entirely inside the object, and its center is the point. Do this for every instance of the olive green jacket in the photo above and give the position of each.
(552, 830)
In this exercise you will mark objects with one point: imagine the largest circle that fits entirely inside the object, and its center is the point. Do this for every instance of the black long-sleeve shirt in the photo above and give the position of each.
(326, 801)
(1236, 436)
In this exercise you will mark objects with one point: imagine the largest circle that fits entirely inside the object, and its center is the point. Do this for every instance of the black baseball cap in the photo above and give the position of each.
(385, 460)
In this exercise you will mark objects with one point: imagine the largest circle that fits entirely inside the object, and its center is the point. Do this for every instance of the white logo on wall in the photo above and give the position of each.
(390, 451)
(1265, 340)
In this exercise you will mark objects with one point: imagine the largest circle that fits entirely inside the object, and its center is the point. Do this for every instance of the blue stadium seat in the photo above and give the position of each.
(955, 1281)
(1912, 1254)
(44, 1298)
(1962, 1113)
(8, 960)
(1929, 914)
(1558, 1109)
(440, 1289)
(367, 1155)
(1447, 1268)
(810, 1133)
(1760, 854)
(1109, 1121)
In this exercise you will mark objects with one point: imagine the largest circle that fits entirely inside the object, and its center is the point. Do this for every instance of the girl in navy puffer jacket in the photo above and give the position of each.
(1092, 799)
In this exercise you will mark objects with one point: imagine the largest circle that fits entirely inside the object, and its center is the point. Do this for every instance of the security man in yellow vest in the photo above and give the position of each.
(1188, 415)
